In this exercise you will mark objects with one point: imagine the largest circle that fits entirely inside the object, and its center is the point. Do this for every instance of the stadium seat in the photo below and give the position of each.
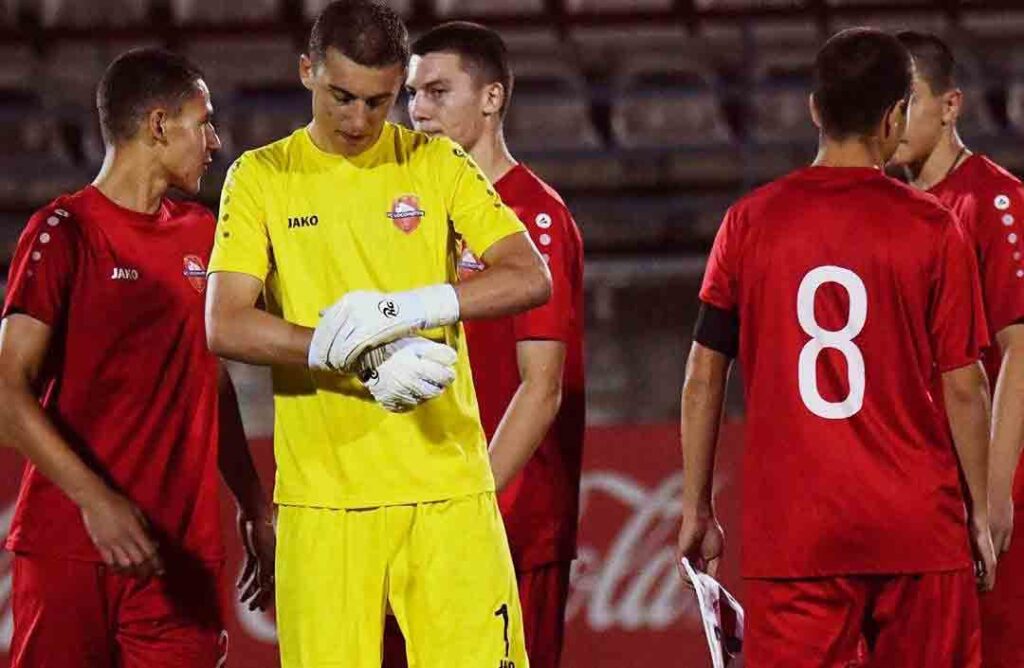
(596, 6)
(658, 104)
(262, 115)
(18, 65)
(748, 4)
(311, 8)
(471, 8)
(779, 102)
(224, 11)
(240, 61)
(94, 13)
(550, 109)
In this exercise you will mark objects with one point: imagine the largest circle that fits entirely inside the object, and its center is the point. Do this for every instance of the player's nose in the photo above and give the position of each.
(417, 108)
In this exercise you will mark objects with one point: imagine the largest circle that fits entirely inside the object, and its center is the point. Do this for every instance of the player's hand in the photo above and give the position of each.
(701, 540)
(257, 580)
(413, 370)
(362, 320)
(120, 533)
(1000, 513)
(984, 553)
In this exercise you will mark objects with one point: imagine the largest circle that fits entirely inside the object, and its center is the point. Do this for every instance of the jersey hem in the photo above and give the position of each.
(376, 502)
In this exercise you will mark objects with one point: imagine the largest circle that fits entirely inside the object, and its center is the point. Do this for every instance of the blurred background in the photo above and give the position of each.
(648, 116)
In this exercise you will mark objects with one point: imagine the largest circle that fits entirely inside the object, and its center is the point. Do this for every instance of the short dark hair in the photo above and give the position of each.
(365, 31)
(859, 74)
(482, 51)
(932, 57)
(137, 81)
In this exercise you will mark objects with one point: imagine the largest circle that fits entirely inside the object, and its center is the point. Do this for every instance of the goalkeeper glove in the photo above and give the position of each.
(362, 320)
(403, 374)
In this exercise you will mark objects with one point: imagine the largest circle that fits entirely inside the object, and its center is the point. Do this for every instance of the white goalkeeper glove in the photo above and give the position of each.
(363, 320)
(403, 374)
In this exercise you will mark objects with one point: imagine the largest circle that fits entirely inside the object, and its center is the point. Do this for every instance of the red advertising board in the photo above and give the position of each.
(627, 606)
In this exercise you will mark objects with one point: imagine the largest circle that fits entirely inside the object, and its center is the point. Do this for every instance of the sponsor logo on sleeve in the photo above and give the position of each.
(406, 213)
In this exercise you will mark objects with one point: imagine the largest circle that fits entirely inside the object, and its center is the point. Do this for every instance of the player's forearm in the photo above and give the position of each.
(253, 336)
(1007, 423)
(965, 391)
(504, 289)
(701, 414)
(235, 461)
(526, 422)
(26, 427)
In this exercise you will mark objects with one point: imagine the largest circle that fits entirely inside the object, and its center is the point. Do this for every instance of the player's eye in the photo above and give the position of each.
(437, 92)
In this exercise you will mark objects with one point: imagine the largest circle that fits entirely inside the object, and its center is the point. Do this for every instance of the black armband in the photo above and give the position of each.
(717, 329)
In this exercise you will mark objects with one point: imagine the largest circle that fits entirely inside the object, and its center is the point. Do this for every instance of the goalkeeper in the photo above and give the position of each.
(381, 501)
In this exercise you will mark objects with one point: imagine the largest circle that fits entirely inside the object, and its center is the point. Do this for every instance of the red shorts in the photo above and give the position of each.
(543, 593)
(901, 621)
(1002, 610)
(78, 614)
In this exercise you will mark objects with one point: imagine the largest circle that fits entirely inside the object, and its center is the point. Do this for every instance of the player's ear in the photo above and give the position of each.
(813, 106)
(952, 102)
(306, 71)
(493, 98)
(156, 125)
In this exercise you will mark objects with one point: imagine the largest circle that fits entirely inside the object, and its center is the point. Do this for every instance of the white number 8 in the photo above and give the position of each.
(841, 340)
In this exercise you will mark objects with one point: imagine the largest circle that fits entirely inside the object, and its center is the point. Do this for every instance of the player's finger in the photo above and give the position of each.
(122, 562)
(711, 567)
(248, 571)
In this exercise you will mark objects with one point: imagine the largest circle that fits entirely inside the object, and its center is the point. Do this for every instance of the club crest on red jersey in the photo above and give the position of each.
(406, 213)
(468, 262)
(195, 272)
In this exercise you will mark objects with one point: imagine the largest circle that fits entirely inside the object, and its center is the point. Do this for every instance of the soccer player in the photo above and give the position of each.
(848, 297)
(108, 389)
(527, 369)
(376, 507)
(988, 201)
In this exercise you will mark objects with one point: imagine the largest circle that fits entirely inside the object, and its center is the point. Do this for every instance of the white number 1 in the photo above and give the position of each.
(841, 340)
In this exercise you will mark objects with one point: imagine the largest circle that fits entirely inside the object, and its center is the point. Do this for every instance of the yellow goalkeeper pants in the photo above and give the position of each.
(444, 567)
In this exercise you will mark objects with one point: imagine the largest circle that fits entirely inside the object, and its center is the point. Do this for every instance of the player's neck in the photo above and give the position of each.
(948, 154)
(849, 153)
(492, 155)
(131, 180)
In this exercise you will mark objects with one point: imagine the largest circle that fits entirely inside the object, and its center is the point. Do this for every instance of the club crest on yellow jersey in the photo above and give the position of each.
(406, 213)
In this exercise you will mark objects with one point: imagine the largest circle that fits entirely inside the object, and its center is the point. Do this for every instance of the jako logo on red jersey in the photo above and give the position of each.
(195, 272)
(124, 274)
(406, 213)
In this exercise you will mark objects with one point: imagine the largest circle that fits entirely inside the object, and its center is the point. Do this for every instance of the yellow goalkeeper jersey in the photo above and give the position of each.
(313, 226)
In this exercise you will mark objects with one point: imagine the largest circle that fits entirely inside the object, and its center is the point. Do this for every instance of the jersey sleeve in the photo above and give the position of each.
(242, 243)
(998, 230)
(474, 207)
(719, 287)
(957, 326)
(555, 235)
(43, 268)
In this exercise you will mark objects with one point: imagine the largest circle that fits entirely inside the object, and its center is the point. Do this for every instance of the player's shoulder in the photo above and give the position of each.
(277, 157)
(522, 186)
(420, 147)
(191, 213)
(67, 211)
(989, 175)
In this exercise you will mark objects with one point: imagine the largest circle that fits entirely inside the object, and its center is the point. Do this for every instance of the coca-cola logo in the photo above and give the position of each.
(631, 583)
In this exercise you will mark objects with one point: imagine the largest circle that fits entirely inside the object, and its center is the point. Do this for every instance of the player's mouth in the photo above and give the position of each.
(351, 138)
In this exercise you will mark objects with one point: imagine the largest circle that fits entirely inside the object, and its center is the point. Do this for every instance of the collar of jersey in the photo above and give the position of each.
(364, 159)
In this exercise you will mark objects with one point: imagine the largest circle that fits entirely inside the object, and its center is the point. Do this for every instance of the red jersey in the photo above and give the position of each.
(128, 379)
(540, 506)
(988, 200)
(853, 292)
